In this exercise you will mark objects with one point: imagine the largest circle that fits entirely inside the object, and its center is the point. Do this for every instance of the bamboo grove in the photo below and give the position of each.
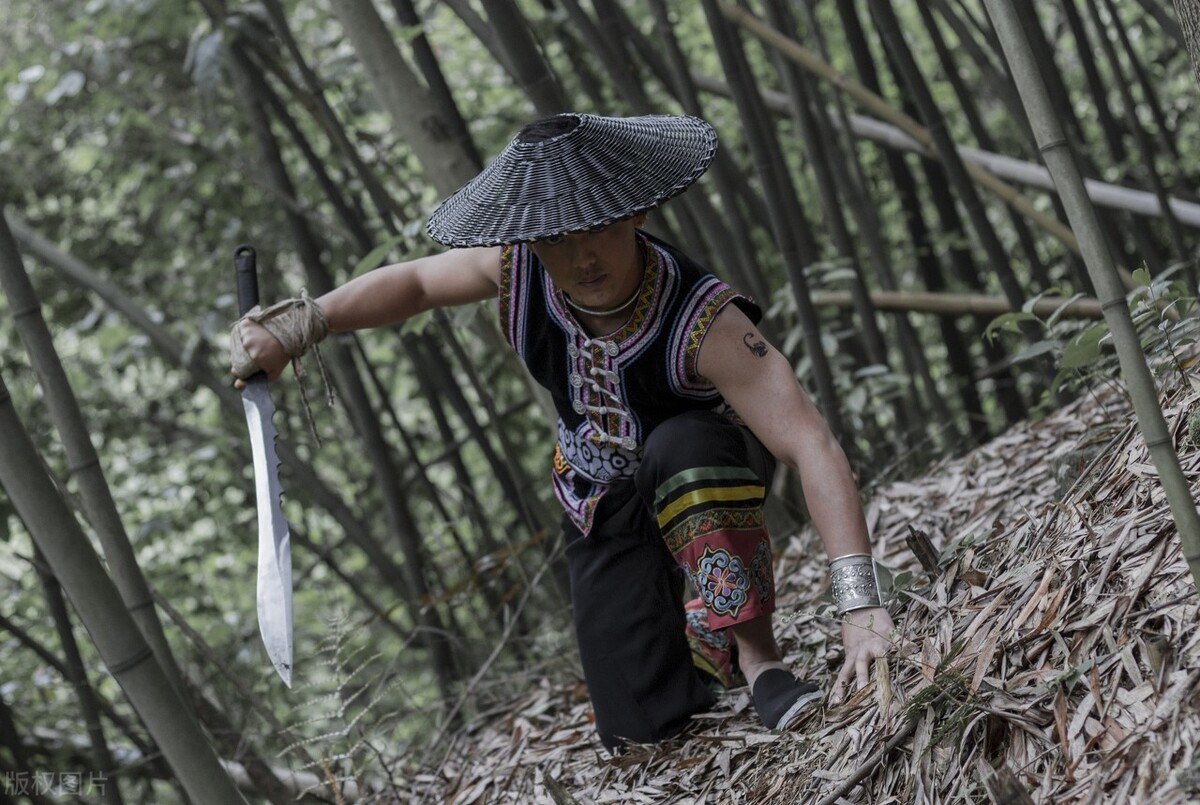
(879, 188)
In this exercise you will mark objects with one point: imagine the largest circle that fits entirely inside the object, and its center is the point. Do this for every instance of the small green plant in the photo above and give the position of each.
(1193, 431)
(357, 705)
(1159, 307)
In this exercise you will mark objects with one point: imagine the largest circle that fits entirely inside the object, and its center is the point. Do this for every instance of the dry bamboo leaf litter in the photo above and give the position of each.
(1060, 643)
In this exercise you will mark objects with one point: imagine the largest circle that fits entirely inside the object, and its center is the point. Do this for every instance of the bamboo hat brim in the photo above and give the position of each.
(602, 170)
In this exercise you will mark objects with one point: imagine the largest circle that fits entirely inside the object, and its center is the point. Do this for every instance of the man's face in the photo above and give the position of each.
(600, 268)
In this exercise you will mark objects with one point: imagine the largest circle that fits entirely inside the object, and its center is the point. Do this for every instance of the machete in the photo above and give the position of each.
(274, 541)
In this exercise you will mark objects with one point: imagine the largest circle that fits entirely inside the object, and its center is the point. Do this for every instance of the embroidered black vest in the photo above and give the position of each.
(611, 391)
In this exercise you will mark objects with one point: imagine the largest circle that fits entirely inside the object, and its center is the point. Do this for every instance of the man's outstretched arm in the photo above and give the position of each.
(390, 295)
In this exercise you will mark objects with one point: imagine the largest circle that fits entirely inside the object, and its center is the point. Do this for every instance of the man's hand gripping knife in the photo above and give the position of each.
(266, 340)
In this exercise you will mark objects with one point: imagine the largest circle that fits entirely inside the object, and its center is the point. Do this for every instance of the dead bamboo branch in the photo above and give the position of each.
(1104, 194)
(952, 304)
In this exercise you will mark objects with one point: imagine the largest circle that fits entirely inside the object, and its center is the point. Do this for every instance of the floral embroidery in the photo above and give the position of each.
(712, 650)
(722, 581)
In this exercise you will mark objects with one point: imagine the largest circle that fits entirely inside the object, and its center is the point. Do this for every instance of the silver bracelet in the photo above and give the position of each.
(853, 582)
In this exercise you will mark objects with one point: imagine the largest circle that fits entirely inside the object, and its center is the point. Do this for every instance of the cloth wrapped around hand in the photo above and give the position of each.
(299, 324)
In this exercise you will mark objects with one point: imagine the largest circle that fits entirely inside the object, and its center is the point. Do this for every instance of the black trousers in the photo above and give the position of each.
(627, 588)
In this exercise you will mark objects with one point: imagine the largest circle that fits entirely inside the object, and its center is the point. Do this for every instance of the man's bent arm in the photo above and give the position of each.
(758, 382)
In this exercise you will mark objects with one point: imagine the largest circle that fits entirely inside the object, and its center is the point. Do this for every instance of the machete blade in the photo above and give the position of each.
(274, 541)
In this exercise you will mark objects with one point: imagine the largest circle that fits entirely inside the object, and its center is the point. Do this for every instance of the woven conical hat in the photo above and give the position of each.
(602, 170)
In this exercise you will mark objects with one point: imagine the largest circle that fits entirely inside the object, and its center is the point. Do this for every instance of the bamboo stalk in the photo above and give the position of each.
(908, 73)
(924, 253)
(117, 638)
(133, 734)
(1100, 265)
(375, 447)
(1149, 93)
(850, 181)
(967, 102)
(177, 354)
(531, 70)
(10, 738)
(82, 458)
(410, 105)
(327, 119)
(1142, 137)
(994, 78)
(89, 704)
(1113, 134)
(788, 223)
(905, 123)
(827, 190)
(435, 80)
(1188, 12)
(672, 70)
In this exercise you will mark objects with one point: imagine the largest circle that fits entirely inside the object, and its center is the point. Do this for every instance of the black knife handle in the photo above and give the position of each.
(246, 268)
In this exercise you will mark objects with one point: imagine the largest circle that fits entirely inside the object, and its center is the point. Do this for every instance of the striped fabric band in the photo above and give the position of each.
(685, 502)
(711, 520)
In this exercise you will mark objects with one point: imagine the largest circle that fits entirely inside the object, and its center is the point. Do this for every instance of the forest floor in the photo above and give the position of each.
(1056, 651)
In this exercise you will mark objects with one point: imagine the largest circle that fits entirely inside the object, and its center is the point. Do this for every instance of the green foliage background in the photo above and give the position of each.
(122, 143)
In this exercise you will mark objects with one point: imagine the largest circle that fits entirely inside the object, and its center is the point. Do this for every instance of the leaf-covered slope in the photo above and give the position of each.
(1058, 645)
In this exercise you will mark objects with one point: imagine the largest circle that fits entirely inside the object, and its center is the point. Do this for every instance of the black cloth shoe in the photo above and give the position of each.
(780, 697)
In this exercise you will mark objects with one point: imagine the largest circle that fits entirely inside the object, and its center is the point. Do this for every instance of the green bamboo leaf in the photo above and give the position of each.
(901, 582)
(1084, 348)
(373, 257)
(1060, 378)
(1008, 322)
(417, 323)
(1031, 302)
(1050, 322)
(1034, 351)
(874, 370)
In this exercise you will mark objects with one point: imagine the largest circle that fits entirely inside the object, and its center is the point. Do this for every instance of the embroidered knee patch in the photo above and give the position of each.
(711, 519)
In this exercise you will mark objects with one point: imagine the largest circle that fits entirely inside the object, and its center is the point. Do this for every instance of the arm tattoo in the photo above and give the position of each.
(757, 348)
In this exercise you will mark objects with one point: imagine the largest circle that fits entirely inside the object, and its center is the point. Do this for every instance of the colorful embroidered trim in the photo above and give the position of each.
(707, 300)
(712, 651)
(702, 524)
